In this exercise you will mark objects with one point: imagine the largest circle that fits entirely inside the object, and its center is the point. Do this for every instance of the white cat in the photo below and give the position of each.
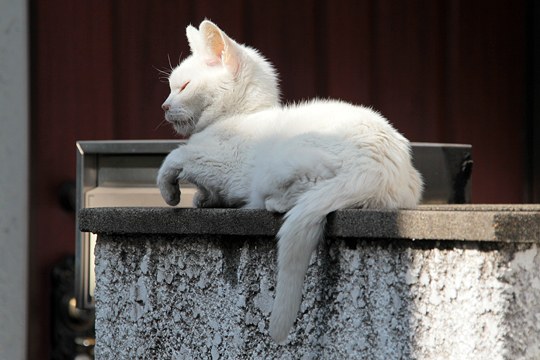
(305, 160)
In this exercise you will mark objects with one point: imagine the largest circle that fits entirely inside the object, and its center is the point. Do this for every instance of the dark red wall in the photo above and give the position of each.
(441, 71)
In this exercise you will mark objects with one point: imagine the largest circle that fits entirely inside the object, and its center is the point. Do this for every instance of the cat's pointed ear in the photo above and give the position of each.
(220, 46)
(194, 39)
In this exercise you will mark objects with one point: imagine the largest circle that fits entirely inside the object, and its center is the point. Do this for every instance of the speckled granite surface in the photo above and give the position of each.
(184, 296)
(508, 223)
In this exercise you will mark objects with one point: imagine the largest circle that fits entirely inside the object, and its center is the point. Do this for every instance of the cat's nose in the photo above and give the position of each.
(165, 107)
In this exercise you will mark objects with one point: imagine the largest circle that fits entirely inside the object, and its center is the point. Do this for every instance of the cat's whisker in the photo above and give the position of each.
(165, 73)
(179, 59)
(163, 122)
(170, 65)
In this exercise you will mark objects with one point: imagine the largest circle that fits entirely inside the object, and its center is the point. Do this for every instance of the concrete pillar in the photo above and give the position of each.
(439, 282)
(14, 110)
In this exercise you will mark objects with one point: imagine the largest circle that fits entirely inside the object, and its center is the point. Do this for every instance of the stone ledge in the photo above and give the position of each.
(506, 223)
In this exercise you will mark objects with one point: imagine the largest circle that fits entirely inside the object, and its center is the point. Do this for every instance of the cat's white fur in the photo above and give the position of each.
(304, 160)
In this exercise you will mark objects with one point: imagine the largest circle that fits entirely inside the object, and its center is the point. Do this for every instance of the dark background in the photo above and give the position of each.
(454, 71)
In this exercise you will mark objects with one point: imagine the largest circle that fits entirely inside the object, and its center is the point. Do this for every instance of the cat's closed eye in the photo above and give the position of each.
(183, 86)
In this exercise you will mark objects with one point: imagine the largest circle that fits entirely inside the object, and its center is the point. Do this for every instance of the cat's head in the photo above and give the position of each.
(219, 79)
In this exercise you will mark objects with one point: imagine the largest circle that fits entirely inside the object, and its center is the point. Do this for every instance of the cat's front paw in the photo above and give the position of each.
(169, 187)
(170, 193)
(200, 199)
(203, 198)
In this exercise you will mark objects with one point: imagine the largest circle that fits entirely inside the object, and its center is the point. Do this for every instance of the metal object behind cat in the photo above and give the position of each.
(123, 173)
(115, 174)
(447, 171)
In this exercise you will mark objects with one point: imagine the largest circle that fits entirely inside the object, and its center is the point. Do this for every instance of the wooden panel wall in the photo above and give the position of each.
(72, 98)
(441, 71)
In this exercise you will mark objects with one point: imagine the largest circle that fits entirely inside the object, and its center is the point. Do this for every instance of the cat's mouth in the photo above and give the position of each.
(182, 123)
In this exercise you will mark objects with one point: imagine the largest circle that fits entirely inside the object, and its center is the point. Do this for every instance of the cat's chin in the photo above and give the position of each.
(183, 129)
(183, 126)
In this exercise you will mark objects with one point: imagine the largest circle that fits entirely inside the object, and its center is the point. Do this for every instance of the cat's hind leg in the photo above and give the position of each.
(285, 195)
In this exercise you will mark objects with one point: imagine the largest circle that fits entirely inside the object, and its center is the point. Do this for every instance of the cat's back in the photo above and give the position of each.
(333, 116)
(314, 118)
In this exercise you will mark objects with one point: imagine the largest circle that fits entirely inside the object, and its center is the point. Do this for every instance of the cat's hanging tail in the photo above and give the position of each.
(304, 224)
(299, 235)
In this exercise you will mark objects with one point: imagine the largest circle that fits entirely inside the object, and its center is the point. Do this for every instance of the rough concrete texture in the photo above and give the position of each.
(508, 223)
(190, 297)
